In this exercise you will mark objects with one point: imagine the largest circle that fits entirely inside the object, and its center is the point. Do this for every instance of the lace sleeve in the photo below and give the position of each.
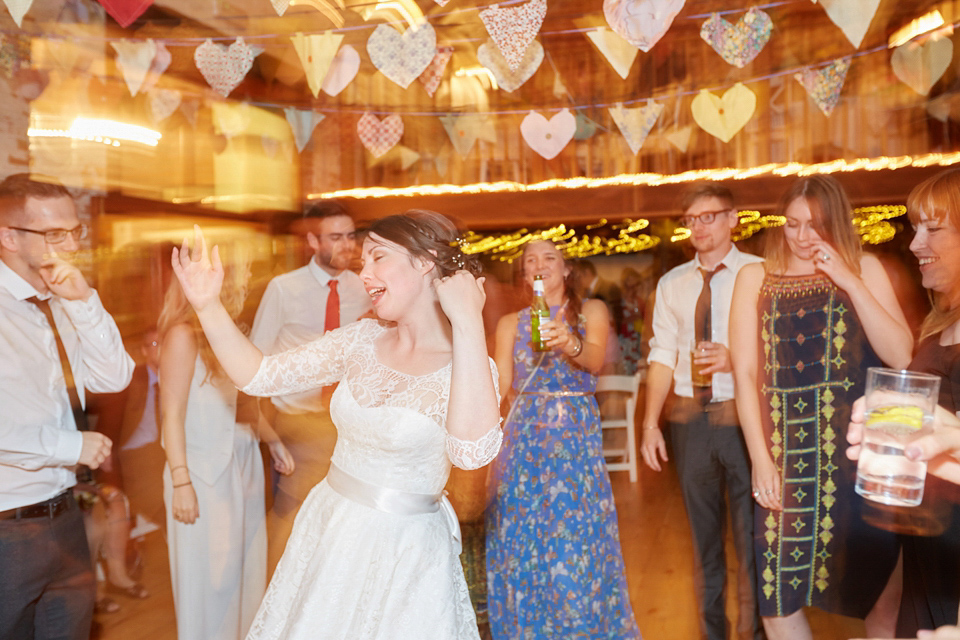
(473, 454)
(303, 368)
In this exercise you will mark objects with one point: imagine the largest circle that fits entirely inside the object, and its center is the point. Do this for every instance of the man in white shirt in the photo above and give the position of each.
(47, 584)
(707, 445)
(294, 310)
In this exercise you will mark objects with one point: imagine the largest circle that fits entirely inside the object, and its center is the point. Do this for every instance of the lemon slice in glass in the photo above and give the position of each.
(905, 416)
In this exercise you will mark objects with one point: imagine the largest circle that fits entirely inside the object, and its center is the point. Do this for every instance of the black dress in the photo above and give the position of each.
(813, 358)
(931, 564)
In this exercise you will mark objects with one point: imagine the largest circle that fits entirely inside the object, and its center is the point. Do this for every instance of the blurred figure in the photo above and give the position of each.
(374, 550)
(213, 487)
(56, 342)
(297, 308)
(630, 328)
(691, 311)
(804, 328)
(554, 564)
(140, 454)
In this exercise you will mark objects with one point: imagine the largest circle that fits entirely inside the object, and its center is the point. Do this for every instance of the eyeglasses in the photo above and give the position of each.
(56, 236)
(704, 218)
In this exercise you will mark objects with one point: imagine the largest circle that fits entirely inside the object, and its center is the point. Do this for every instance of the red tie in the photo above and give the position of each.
(332, 320)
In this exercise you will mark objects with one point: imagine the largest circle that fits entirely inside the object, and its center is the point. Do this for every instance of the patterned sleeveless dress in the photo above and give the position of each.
(814, 357)
(554, 565)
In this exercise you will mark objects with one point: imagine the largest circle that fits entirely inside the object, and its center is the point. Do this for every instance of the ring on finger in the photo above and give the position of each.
(825, 257)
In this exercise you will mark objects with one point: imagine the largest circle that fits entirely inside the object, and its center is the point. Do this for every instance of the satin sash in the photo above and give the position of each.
(404, 503)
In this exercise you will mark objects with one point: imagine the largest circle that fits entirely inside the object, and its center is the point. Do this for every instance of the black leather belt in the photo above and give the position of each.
(47, 509)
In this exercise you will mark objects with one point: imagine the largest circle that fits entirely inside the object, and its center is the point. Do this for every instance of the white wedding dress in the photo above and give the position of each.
(364, 567)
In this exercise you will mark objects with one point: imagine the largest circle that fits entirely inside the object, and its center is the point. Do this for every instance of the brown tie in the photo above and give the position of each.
(331, 321)
(83, 472)
(702, 326)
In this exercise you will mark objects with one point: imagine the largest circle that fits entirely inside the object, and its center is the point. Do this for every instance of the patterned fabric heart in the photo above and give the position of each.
(507, 79)
(641, 22)
(824, 86)
(280, 6)
(514, 29)
(635, 124)
(18, 9)
(738, 44)
(434, 73)
(379, 136)
(548, 137)
(343, 69)
(402, 57)
(224, 67)
(125, 11)
(163, 102)
(134, 60)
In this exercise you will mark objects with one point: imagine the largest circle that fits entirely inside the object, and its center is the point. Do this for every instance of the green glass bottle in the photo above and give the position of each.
(539, 313)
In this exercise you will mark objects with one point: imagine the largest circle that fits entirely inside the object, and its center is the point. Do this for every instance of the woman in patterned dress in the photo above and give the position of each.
(554, 566)
(805, 326)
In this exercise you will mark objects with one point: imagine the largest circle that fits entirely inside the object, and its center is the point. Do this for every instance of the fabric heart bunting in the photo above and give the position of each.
(229, 119)
(618, 52)
(680, 138)
(125, 11)
(548, 137)
(134, 60)
(302, 123)
(635, 124)
(18, 9)
(464, 130)
(379, 136)
(514, 29)
(431, 77)
(724, 116)
(852, 16)
(224, 67)
(160, 63)
(316, 53)
(641, 22)
(402, 57)
(280, 6)
(507, 79)
(343, 69)
(919, 66)
(585, 126)
(163, 103)
(824, 85)
(738, 44)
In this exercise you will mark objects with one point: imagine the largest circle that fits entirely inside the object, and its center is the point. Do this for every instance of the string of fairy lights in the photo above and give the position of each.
(872, 223)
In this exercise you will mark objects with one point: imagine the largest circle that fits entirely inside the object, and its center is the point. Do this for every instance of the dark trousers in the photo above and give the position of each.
(47, 585)
(714, 469)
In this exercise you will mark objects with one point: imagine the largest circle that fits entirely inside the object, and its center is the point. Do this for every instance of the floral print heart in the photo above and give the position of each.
(738, 44)
(824, 85)
(379, 136)
(507, 79)
(402, 57)
(224, 67)
(514, 29)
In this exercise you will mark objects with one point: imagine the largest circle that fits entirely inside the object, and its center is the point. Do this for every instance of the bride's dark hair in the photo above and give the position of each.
(430, 236)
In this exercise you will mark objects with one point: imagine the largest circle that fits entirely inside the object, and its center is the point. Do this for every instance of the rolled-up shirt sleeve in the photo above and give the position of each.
(664, 345)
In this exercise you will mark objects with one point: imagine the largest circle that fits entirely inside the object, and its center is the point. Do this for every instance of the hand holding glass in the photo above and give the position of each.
(899, 409)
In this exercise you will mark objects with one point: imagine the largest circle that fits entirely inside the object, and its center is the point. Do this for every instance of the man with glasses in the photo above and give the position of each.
(690, 318)
(56, 343)
(296, 308)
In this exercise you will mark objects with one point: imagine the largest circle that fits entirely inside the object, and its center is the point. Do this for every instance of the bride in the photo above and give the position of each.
(374, 550)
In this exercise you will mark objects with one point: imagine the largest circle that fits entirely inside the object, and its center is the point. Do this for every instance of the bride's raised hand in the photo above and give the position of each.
(827, 260)
(199, 271)
(461, 296)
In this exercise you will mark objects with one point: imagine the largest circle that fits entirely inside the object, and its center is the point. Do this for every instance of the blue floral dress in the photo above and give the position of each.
(554, 566)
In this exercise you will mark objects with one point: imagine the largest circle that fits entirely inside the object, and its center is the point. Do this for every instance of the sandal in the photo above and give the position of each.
(136, 591)
(105, 605)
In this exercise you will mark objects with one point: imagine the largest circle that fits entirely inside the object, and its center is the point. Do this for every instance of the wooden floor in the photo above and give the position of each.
(656, 548)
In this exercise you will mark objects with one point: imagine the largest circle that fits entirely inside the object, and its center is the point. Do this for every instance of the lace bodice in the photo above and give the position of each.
(391, 425)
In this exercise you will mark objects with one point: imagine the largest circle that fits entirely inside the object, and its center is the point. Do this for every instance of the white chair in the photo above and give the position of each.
(628, 387)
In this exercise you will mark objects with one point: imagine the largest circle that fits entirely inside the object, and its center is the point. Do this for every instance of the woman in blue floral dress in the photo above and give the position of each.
(554, 566)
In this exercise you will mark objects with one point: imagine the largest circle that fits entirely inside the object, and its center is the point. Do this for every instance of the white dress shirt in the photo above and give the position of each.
(673, 319)
(39, 441)
(292, 312)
